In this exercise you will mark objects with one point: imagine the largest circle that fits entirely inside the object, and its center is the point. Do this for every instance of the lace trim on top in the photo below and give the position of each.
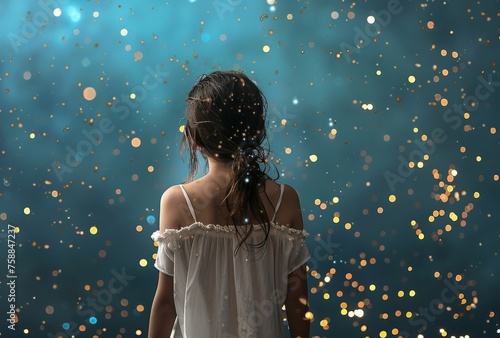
(157, 236)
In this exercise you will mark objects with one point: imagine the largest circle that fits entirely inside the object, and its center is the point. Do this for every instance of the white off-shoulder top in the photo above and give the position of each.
(219, 294)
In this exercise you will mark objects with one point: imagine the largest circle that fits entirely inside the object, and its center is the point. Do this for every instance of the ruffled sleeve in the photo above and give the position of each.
(299, 254)
(164, 257)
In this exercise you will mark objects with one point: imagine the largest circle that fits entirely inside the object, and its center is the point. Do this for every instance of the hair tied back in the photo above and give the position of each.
(250, 151)
(207, 100)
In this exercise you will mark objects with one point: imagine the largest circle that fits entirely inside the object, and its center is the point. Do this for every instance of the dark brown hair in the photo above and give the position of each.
(226, 120)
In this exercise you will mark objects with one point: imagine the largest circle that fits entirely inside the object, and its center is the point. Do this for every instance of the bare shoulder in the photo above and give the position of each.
(290, 194)
(171, 196)
(172, 215)
(290, 212)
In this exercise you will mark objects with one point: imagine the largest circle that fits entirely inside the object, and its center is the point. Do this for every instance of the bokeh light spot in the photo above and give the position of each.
(89, 93)
(136, 142)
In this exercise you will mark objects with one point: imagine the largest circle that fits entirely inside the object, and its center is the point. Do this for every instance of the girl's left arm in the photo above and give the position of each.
(163, 312)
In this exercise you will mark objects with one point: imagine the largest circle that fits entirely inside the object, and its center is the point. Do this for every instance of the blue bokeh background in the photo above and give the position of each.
(388, 130)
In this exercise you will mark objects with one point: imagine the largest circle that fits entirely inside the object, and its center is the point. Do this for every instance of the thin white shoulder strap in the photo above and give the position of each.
(188, 202)
(279, 202)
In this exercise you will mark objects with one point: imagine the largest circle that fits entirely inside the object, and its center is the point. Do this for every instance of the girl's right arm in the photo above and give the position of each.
(296, 303)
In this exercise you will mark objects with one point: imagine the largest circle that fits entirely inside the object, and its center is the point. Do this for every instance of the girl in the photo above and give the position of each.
(231, 245)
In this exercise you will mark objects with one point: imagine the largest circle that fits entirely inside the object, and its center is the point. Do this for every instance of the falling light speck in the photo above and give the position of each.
(89, 93)
(205, 37)
(136, 142)
(138, 56)
(359, 313)
(74, 14)
(49, 309)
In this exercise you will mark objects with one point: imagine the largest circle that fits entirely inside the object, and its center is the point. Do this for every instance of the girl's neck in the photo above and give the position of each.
(218, 174)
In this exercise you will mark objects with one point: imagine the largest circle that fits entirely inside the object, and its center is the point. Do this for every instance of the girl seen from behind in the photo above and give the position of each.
(231, 244)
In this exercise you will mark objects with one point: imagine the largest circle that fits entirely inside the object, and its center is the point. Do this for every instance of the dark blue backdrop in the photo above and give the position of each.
(382, 114)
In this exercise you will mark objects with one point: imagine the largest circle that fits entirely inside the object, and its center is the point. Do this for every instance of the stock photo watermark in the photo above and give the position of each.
(94, 137)
(34, 25)
(93, 305)
(11, 277)
(223, 6)
(322, 252)
(375, 22)
(278, 119)
(454, 116)
(428, 314)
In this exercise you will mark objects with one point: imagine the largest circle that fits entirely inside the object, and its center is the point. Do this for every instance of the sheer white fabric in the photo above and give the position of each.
(218, 294)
